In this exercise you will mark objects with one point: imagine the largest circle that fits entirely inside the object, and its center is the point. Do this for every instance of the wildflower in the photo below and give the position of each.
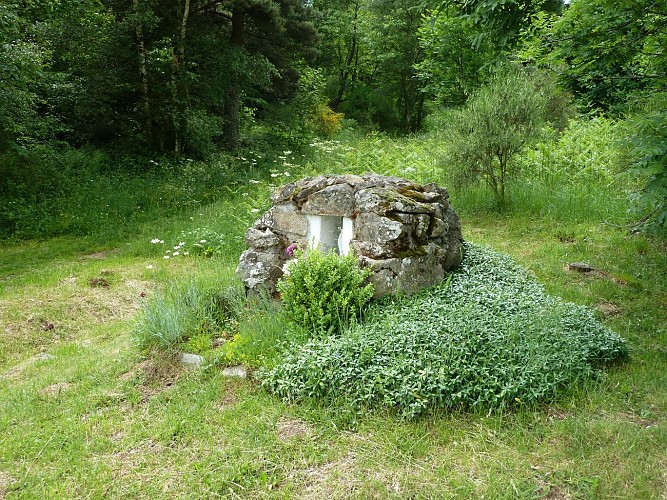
(156, 240)
(253, 181)
(176, 253)
(287, 152)
(181, 244)
(291, 249)
(254, 210)
(177, 247)
(286, 174)
(186, 253)
(165, 257)
(149, 266)
(287, 265)
(168, 251)
(202, 241)
(274, 175)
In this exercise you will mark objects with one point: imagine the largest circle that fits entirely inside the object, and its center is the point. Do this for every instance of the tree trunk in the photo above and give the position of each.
(147, 118)
(351, 62)
(179, 89)
(232, 136)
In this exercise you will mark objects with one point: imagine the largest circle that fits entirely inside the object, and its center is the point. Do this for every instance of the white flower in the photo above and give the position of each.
(186, 253)
(181, 244)
(254, 210)
(156, 240)
(244, 194)
(149, 266)
(287, 265)
(286, 174)
(177, 247)
(175, 254)
(253, 181)
(202, 241)
(275, 175)
(287, 152)
(165, 257)
(168, 251)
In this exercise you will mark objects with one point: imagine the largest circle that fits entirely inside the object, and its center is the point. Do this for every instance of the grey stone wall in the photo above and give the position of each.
(407, 233)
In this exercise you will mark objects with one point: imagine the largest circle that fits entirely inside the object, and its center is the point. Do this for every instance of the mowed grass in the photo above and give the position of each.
(82, 414)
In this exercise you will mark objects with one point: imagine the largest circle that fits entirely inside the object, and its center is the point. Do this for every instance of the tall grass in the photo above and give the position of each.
(203, 306)
(574, 176)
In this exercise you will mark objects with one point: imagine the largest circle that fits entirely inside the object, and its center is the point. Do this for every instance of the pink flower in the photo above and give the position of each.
(291, 249)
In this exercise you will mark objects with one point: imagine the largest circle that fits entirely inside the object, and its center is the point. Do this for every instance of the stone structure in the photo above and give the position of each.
(407, 233)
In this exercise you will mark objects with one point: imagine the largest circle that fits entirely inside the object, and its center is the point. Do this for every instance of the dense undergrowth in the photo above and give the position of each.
(488, 338)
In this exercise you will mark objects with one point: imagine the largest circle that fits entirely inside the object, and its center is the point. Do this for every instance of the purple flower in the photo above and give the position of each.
(291, 249)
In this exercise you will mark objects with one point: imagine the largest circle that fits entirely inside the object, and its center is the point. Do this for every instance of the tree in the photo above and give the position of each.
(609, 49)
(21, 64)
(451, 68)
(498, 122)
(499, 22)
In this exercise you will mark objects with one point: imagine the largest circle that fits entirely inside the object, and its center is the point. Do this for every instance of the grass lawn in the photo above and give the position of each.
(83, 415)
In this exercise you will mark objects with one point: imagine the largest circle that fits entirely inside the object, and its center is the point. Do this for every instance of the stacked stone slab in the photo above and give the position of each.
(406, 233)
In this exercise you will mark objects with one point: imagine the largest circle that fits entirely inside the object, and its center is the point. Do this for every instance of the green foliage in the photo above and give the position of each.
(497, 123)
(452, 69)
(324, 293)
(608, 49)
(590, 151)
(489, 338)
(21, 63)
(498, 22)
(260, 342)
(649, 147)
(188, 312)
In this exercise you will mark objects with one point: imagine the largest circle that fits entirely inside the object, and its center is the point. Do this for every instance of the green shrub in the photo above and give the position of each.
(496, 124)
(324, 293)
(490, 338)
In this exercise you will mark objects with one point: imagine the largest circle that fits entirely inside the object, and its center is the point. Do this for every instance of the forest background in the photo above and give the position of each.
(106, 104)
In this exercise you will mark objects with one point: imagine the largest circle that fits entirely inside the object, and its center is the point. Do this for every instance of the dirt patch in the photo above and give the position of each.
(6, 481)
(320, 481)
(557, 414)
(55, 389)
(98, 283)
(16, 371)
(101, 255)
(154, 375)
(290, 429)
(229, 398)
(608, 309)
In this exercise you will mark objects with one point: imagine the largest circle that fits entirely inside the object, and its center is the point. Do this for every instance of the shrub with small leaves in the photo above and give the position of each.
(488, 338)
(324, 293)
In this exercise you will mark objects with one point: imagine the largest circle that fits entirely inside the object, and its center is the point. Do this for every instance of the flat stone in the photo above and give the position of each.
(337, 200)
(192, 360)
(235, 371)
(580, 267)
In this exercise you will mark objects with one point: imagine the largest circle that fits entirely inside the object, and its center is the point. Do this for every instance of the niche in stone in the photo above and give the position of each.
(406, 233)
(329, 233)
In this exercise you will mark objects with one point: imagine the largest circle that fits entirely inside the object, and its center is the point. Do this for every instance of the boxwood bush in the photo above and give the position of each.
(488, 338)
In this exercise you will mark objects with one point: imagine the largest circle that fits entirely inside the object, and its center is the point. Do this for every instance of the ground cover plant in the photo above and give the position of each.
(488, 338)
